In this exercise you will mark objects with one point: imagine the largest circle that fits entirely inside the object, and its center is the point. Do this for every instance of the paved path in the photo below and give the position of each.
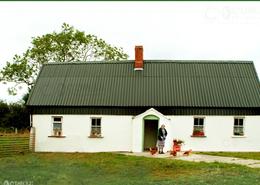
(202, 158)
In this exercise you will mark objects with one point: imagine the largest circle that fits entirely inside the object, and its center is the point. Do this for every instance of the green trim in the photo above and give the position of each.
(143, 134)
(151, 117)
(148, 117)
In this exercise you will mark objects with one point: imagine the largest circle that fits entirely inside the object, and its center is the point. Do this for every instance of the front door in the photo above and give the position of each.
(150, 133)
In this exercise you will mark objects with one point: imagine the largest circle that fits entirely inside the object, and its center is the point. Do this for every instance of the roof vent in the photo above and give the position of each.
(139, 62)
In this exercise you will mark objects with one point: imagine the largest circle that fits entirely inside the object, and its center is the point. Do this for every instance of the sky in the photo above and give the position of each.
(167, 30)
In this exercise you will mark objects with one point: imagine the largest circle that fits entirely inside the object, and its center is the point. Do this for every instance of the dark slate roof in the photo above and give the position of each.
(161, 83)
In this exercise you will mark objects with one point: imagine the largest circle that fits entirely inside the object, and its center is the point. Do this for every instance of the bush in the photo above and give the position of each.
(14, 116)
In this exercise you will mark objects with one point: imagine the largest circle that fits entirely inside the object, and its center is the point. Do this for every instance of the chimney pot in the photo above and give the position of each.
(139, 62)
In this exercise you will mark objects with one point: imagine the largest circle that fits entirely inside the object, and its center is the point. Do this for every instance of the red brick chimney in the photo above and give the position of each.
(139, 62)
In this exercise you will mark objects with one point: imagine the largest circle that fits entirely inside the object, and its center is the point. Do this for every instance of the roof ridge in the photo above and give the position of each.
(90, 62)
(157, 61)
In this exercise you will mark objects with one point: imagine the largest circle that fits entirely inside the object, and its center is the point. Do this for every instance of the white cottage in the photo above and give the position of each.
(118, 106)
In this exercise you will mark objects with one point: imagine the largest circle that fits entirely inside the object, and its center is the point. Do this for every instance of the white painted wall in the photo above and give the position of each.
(116, 132)
(125, 133)
(218, 132)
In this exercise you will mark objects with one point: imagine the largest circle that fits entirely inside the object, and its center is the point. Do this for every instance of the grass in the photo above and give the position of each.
(116, 169)
(243, 155)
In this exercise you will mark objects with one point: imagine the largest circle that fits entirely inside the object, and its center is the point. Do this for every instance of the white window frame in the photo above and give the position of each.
(200, 127)
(239, 126)
(57, 132)
(96, 126)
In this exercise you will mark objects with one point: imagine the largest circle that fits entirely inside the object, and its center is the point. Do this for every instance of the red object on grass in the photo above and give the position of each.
(176, 148)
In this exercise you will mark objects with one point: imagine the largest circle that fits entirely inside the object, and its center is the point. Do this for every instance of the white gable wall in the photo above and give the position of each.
(125, 133)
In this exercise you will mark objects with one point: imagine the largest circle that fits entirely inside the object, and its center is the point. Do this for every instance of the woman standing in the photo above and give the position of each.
(162, 133)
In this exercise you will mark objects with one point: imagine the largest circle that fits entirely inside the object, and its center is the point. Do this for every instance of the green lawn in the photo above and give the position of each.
(116, 169)
(244, 155)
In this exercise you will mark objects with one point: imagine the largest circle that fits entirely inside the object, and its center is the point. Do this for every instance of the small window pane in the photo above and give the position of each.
(196, 121)
(57, 126)
(95, 121)
(236, 121)
(201, 121)
(58, 119)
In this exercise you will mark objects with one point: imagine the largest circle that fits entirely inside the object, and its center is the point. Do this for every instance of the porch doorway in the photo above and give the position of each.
(150, 131)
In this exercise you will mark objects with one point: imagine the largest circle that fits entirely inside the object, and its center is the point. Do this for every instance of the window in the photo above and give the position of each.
(95, 127)
(238, 127)
(57, 126)
(198, 127)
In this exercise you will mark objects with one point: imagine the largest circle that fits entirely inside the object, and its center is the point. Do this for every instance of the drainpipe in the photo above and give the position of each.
(32, 135)
(30, 120)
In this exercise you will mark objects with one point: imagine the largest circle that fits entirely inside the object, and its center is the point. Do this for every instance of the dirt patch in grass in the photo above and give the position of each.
(172, 174)
(171, 169)
(243, 155)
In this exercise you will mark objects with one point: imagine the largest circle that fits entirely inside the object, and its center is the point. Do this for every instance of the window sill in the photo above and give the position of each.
(57, 136)
(197, 136)
(95, 137)
(238, 136)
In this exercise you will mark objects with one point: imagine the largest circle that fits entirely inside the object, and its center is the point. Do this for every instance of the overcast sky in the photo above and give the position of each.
(167, 30)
